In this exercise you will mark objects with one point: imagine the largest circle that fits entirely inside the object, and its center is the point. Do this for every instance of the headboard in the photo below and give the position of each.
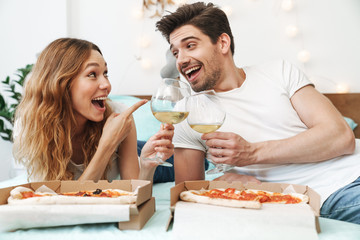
(348, 105)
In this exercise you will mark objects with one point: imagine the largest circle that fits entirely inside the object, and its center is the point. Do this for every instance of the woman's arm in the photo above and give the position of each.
(161, 142)
(118, 129)
(128, 160)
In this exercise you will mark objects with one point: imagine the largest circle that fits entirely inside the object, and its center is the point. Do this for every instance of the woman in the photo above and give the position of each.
(67, 129)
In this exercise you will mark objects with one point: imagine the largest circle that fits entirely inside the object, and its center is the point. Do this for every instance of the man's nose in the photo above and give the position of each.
(182, 60)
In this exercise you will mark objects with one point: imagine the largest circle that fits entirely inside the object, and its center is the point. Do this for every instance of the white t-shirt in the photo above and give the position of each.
(260, 110)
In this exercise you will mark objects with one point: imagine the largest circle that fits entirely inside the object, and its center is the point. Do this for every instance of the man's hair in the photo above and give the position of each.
(208, 18)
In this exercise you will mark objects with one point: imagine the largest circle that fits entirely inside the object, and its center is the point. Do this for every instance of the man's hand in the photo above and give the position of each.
(229, 148)
(231, 177)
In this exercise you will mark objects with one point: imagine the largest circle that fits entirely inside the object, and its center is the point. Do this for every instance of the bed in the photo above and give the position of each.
(156, 226)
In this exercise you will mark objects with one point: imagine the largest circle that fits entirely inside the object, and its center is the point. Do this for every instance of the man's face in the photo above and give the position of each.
(197, 58)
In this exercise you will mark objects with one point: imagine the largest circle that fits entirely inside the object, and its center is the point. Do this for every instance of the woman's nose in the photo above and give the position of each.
(105, 84)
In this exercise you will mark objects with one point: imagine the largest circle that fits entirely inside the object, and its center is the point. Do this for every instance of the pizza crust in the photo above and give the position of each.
(191, 196)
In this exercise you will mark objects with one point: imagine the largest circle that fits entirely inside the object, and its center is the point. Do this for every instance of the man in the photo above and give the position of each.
(278, 128)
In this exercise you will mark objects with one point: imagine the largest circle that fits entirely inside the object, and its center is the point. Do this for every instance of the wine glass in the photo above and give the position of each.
(168, 105)
(207, 115)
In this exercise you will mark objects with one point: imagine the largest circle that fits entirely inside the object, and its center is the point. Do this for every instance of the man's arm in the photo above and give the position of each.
(328, 136)
(188, 164)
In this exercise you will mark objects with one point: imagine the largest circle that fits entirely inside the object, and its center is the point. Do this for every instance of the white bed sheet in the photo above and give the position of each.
(156, 226)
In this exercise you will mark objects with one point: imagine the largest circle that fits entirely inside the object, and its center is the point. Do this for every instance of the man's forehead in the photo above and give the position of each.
(184, 33)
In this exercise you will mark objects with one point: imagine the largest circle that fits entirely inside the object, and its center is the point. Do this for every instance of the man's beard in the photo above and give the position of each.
(211, 80)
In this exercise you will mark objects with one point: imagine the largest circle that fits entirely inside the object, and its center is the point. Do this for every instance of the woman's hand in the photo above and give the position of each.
(160, 143)
(118, 126)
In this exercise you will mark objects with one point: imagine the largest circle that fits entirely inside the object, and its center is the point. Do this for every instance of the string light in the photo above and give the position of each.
(227, 10)
(292, 31)
(138, 14)
(144, 41)
(342, 88)
(146, 63)
(287, 5)
(304, 56)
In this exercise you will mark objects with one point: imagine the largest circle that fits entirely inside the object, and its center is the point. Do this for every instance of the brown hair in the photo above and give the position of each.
(211, 21)
(45, 115)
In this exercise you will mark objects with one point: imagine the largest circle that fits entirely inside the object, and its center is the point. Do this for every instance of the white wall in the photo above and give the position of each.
(26, 27)
(329, 30)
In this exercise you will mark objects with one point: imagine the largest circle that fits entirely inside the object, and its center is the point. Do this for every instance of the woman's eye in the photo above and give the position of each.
(92, 74)
(106, 74)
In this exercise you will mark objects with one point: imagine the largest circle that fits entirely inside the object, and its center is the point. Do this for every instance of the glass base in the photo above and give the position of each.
(220, 168)
(164, 164)
(160, 161)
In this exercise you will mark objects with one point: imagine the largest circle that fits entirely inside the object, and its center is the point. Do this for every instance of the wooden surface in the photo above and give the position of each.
(348, 105)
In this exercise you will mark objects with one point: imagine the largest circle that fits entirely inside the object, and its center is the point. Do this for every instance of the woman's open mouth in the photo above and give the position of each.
(99, 102)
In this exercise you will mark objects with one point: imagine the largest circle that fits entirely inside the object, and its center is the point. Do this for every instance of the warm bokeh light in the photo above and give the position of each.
(144, 41)
(304, 56)
(227, 10)
(287, 5)
(292, 31)
(342, 88)
(146, 63)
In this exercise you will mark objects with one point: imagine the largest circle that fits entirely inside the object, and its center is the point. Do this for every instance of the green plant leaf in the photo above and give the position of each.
(7, 110)
(2, 102)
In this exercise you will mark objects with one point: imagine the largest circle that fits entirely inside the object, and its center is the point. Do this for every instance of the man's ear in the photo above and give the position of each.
(224, 42)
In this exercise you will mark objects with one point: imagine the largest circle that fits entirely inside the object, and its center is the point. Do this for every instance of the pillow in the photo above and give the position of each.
(351, 123)
(146, 124)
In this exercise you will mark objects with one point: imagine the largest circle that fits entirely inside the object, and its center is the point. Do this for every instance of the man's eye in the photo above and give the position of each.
(175, 53)
(106, 74)
(190, 45)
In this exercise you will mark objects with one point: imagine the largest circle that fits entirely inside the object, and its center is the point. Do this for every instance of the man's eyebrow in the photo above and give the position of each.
(184, 40)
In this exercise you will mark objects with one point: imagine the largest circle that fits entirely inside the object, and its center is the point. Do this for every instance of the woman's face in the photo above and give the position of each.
(90, 89)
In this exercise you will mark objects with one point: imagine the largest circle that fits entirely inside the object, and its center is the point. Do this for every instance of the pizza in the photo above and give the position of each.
(248, 198)
(26, 196)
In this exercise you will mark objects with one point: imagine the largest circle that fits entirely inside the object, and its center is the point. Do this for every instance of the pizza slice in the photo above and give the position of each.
(231, 197)
(26, 196)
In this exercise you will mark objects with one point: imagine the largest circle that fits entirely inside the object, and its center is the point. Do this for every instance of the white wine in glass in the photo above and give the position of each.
(170, 117)
(168, 105)
(206, 116)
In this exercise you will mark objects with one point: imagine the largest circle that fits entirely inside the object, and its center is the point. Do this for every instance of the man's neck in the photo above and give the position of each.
(232, 77)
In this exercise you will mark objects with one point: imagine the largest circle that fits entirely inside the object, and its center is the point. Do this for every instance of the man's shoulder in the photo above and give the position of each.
(273, 64)
(276, 68)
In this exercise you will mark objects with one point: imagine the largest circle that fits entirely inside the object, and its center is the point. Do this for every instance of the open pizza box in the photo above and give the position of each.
(314, 197)
(140, 212)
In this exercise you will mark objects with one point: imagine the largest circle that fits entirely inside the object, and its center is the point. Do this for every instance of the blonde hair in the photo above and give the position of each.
(46, 116)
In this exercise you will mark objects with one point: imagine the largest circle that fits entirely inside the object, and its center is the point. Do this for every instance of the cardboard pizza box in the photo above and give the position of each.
(140, 212)
(314, 197)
